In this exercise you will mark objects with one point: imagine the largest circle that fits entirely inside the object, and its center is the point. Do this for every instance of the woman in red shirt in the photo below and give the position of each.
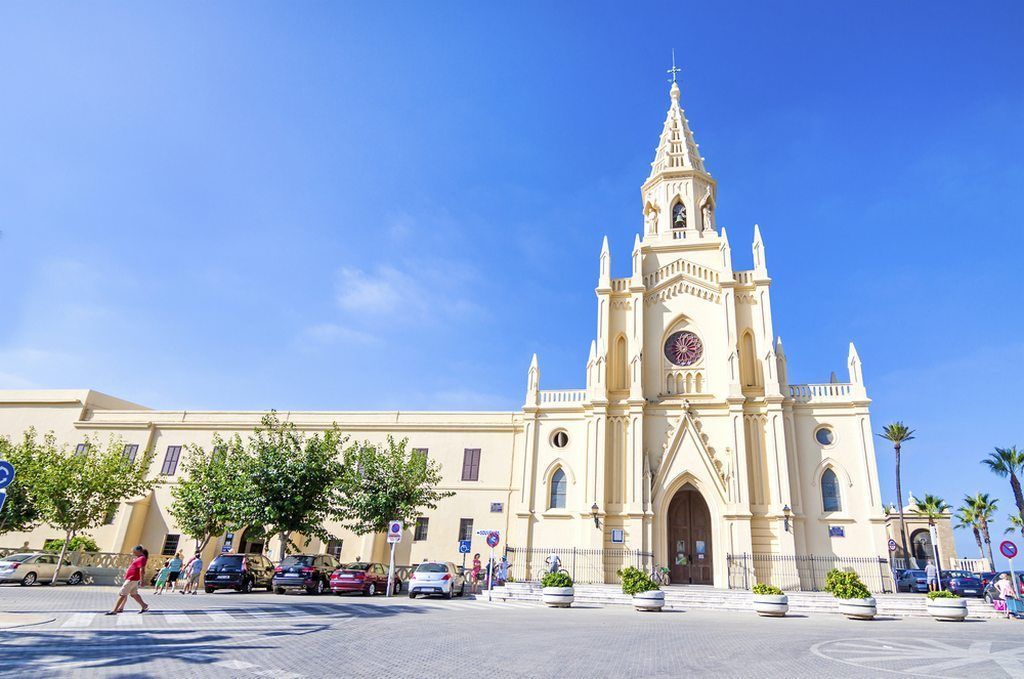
(132, 579)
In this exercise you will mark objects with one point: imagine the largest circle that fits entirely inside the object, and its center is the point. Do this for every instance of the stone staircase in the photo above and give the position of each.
(684, 597)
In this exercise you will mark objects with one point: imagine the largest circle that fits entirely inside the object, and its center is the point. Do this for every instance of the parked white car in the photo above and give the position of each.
(437, 577)
(29, 568)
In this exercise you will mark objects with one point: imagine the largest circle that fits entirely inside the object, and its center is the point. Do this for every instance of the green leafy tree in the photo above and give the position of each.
(206, 501)
(897, 434)
(74, 490)
(967, 518)
(20, 512)
(1016, 524)
(289, 481)
(1009, 462)
(79, 542)
(984, 508)
(389, 482)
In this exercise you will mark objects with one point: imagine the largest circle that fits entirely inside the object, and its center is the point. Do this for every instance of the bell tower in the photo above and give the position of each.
(679, 194)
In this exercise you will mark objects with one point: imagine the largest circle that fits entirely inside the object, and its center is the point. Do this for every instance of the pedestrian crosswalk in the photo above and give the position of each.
(188, 619)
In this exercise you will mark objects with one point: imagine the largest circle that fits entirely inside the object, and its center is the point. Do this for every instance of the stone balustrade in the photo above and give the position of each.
(820, 393)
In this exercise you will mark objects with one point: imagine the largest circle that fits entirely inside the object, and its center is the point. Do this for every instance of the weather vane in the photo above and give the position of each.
(672, 71)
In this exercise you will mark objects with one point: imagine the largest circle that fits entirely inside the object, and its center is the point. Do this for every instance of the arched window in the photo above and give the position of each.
(557, 490)
(830, 491)
(921, 546)
(679, 216)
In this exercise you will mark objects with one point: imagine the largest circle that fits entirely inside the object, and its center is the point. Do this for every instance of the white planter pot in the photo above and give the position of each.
(951, 610)
(649, 601)
(858, 609)
(557, 597)
(771, 605)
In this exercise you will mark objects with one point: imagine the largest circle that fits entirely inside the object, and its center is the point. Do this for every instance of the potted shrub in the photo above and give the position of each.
(855, 601)
(647, 596)
(557, 590)
(946, 606)
(769, 601)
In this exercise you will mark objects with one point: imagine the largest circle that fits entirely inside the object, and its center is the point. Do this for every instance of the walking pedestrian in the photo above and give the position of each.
(931, 574)
(161, 577)
(132, 578)
(193, 570)
(1004, 590)
(475, 573)
(503, 570)
(175, 570)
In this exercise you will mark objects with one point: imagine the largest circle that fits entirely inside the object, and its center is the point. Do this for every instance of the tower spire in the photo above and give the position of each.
(673, 71)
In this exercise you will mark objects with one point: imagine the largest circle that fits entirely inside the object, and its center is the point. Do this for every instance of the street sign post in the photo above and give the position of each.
(1009, 550)
(935, 552)
(394, 537)
(493, 538)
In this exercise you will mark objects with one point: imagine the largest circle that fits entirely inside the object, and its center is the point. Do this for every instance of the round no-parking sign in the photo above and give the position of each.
(892, 545)
(395, 532)
(492, 539)
(1008, 549)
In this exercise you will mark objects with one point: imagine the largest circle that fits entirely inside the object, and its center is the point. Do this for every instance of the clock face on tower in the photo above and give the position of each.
(683, 348)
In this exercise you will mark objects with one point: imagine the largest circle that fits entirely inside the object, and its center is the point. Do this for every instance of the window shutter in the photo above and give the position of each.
(471, 464)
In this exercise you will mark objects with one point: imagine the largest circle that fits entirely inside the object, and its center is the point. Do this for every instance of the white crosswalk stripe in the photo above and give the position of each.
(131, 619)
(177, 619)
(222, 618)
(79, 620)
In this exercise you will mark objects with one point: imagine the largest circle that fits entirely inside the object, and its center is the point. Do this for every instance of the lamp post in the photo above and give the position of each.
(594, 509)
(786, 513)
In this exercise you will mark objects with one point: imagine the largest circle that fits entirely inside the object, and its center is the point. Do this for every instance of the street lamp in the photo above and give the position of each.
(786, 512)
(594, 509)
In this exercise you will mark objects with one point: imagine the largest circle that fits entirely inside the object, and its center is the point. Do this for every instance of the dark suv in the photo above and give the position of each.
(311, 572)
(240, 572)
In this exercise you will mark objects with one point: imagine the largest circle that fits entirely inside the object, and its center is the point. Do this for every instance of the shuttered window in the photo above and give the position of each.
(465, 529)
(420, 451)
(471, 464)
(171, 460)
(170, 545)
(130, 451)
(421, 529)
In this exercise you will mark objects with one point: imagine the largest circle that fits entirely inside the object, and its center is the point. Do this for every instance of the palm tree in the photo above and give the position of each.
(984, 508)
(933, 508)
(1009, 462)
(1016, 523)
(897, 434)
(967, 518)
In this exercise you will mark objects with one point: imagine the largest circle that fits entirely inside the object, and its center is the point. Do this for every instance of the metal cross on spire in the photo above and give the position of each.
(673, 71)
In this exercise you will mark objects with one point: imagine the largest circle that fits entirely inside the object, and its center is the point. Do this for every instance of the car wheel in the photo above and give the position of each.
(279, 590)
(988, 598)
(462, 590)
(75, 579)
(320, 587)
(412, 595)
(209, 590)
(371, 590)
(29, 579)
(450, 593)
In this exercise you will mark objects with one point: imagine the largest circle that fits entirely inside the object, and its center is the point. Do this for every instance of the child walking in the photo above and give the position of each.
(161, 577)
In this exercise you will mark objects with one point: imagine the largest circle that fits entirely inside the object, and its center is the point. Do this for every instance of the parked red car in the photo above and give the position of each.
(361, 576)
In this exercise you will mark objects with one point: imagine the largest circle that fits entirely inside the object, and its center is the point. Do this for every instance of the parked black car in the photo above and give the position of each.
(240, 572)
(311, 572)
(990, 588)
(912, 580)
(962, 583)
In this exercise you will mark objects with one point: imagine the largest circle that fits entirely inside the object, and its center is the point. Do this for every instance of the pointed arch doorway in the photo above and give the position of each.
(690, 552)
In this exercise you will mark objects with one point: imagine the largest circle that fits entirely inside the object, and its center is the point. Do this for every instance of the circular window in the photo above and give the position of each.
(560, 439)
(825, 436)
(683, 348)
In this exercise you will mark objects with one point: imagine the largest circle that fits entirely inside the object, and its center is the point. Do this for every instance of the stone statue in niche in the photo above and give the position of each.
(706, 210)
(651, 221)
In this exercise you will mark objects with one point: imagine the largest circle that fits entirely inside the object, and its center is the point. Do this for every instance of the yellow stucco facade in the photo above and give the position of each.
(686, 438)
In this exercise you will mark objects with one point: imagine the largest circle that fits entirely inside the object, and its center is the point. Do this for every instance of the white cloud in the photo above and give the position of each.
(420, 293)
(377, 293)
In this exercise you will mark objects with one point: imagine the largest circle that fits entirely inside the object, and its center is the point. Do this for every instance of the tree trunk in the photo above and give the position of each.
(988, 543)
(977, 537)
(60, 560)
(1018, 496)
(899, 502)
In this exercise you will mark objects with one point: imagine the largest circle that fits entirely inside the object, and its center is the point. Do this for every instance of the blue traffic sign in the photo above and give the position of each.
(492, 539)
(3, 499)
(6, 473)
(464, 546)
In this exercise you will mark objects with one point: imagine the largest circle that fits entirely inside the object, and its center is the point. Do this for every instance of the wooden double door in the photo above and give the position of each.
(689, 538)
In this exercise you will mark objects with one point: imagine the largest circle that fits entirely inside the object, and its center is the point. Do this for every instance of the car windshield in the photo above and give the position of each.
(226, 563)
(356, 566)
(432, 568)
(18, 557)
(958, 574)
(298, 560)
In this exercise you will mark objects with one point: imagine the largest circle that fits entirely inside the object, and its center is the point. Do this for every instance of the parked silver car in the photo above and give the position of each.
(28, 568)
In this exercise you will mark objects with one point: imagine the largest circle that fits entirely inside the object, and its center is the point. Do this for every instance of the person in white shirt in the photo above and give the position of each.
(931, 574)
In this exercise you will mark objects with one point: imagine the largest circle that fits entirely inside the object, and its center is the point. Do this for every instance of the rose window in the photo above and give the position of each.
(683, 348)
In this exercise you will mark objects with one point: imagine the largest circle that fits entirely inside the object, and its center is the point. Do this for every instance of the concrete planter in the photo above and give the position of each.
(557, 597)
(949, 610)
(771, 605)
(858, 609)
(649, 601)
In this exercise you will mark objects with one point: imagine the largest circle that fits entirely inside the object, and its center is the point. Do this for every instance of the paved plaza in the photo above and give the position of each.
(264, 635)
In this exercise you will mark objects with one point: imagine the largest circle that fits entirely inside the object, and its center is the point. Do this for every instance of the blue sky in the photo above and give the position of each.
(327, 206)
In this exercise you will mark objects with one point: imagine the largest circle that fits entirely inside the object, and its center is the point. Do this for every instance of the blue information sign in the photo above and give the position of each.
(464, 547)
(6, 473)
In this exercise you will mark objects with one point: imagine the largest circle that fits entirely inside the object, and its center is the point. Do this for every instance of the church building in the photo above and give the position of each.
(685, 446)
